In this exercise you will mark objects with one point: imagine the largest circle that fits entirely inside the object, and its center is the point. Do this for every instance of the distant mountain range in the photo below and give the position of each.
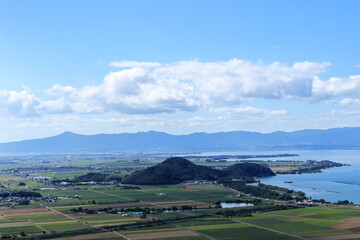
(68, 142)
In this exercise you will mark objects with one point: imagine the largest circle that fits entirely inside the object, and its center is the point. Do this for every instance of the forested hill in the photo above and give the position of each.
(177, 169)
(172, 171)
(248, 170)
(336, 138)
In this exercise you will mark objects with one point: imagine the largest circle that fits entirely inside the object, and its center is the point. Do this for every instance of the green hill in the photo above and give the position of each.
(177, 169)
(172, 171)
(248, 170)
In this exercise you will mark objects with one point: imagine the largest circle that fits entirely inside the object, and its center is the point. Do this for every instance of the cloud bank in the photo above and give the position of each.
(150, 87)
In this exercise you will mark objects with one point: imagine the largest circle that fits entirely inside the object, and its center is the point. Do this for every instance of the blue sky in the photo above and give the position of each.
(177, 66)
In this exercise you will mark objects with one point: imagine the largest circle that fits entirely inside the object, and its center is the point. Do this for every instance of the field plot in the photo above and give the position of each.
(18, 227)
(35, 220)
(97, 236)
(309, 222)
(162, 235)
(243, 232)
(62, 226)
(208, 194)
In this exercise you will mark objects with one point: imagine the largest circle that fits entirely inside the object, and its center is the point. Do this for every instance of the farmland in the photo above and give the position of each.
(178, 211)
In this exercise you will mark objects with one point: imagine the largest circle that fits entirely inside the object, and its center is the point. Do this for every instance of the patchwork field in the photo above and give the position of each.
(173, 212)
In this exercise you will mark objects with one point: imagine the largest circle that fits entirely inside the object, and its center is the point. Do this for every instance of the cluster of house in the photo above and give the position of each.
(10, 198)
(67, 183)
(196, 182)
(39, 178)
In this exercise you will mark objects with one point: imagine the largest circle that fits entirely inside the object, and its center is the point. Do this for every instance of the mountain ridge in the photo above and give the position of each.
(152, 141)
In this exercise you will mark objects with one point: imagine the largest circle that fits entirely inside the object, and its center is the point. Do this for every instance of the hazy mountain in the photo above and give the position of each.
(67, 142)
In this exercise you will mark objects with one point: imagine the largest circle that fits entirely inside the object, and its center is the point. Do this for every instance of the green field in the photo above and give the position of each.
(174, 212)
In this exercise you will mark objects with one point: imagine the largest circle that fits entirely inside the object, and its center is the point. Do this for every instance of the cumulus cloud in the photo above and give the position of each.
(336, 87)
(150, 87)
(19, 104)
(133, 64)
(231, 81)
(248, 110)
(58, 90)
(349, 101)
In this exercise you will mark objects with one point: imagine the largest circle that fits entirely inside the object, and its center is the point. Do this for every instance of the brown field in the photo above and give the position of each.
(112, 220)
(162, 235)
(24, 211)
(158, 189)
(91, 236)
(346, 225)
(170, 202)
(352, 220)
(15, 223)
(125, 205)
(72, 221)
(198, 204)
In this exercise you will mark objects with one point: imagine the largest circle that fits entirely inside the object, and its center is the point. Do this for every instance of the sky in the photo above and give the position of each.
(109, 66)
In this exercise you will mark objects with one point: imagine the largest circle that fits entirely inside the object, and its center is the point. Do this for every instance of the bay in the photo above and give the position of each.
(333, 184)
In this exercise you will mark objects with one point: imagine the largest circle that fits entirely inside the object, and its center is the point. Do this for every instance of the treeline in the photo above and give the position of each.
(97, 177)
(110, 210)
(267, 191)
(89, 177)
(247, 212)
(22, 194)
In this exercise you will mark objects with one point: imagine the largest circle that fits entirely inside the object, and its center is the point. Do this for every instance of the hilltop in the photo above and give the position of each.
(172, 171)
(177, 169)
(248, 170)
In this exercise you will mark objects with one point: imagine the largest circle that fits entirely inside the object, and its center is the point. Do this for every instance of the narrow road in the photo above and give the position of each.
(68, 216)
(120, 235)
(37, 225)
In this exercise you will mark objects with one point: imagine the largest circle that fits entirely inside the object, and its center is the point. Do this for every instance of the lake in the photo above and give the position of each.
(333, 184)
(341, 183)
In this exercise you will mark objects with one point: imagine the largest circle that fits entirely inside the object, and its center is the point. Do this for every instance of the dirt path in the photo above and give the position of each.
(38, 226)
(120, 235)
(113, 195)
(68, 216)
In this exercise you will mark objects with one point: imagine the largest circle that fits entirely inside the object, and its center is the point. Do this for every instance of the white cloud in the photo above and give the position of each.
(149, 87)
(336, 87)
(134, 64)
(349, 101)
(55, 106)
(229, 82)
(248, 110)
(19, 104)
(58, 90)
(190, 85)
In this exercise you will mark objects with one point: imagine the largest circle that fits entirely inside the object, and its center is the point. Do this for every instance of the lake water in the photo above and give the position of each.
(333, 184)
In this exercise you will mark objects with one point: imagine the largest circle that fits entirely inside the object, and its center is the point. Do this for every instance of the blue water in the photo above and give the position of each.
(340, 183)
